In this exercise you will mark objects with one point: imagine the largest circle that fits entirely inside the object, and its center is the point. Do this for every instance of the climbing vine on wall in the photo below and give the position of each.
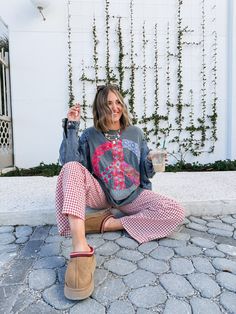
(70, 70)
(144, 120)
(121, 66)
(132, 67)
(213, 116)
(156, 120)
(169, 105)
(202, 120)
(110, 76)
(95, 53)
(179, 55)
(173, 121)
(84, 98)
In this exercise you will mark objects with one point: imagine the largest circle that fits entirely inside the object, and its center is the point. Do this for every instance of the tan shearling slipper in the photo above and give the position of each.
(79, 276)
(94, 223)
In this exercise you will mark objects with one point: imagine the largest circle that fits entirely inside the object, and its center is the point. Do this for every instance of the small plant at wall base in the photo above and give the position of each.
(54, 169)
(219, 165)
(43, 169)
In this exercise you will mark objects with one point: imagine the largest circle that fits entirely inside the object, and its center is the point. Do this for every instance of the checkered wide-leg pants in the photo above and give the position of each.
(150, 216)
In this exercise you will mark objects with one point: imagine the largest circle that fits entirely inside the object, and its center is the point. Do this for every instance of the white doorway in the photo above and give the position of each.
(6, 138)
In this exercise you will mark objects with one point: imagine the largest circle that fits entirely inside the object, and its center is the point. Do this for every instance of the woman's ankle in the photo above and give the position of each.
(81, 248)
(113, 224)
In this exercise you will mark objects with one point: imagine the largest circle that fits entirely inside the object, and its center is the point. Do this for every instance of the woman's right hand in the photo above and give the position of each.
(74, 113)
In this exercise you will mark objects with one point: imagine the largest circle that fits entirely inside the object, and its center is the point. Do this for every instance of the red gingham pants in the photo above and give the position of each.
(150, 216)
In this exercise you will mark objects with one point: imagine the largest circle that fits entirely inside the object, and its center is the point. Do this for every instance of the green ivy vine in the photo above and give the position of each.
(132, 67)
(70, 70)
(110, 76)
(202, 120)
(213, 116)
(144, 120)
(182, 133)
(95, 52)
(121, 67)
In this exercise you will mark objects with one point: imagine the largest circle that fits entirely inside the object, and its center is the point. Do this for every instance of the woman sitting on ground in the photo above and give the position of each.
(108, 166)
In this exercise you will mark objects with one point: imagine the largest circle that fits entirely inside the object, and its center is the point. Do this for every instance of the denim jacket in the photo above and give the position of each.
(86, 149)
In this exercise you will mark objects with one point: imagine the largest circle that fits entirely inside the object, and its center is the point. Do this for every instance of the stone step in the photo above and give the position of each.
(30, 200)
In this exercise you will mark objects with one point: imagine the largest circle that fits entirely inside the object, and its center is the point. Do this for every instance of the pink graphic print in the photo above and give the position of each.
(118, 169)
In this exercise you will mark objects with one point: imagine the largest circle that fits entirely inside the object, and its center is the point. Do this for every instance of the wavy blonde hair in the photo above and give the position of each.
(102, 112)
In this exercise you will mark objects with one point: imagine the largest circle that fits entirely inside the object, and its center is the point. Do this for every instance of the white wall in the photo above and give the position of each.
(233, 117)
(39, 63)
(38, 56)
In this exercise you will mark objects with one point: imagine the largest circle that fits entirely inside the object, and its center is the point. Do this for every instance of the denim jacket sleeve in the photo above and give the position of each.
(146, 167)
(73, 147)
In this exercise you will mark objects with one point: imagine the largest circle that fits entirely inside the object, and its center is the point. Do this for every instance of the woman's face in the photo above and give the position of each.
(115, 106)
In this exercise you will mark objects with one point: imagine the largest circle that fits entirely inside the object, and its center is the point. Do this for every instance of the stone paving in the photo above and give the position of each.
(191, 271)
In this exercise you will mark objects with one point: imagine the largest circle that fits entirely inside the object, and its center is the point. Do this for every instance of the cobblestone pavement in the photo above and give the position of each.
(192, 271)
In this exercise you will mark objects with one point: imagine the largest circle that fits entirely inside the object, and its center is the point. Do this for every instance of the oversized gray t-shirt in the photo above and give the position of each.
(120, 166)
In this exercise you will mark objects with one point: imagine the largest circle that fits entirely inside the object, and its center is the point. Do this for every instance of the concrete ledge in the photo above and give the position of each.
(30, 200)
(201, 193)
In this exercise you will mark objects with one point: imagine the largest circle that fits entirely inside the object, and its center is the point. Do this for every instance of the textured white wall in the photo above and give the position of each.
(160, 12)
(39, 63)
(233, 117)
(38, 55)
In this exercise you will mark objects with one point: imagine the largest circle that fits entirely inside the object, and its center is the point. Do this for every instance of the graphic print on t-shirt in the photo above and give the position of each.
(119, 177)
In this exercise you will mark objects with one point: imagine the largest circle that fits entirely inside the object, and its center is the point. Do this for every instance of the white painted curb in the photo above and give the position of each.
(31, 200)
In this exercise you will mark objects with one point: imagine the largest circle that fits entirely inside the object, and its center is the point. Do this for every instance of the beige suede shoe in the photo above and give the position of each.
(79, 277)
(94, 223)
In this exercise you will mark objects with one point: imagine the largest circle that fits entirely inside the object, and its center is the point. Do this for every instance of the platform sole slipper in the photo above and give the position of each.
(79, 276)
(79, 294)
